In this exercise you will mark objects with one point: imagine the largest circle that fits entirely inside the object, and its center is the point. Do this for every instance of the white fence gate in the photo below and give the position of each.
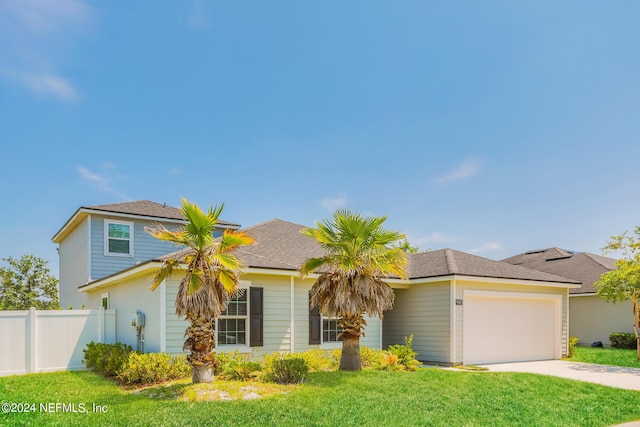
(51, 340)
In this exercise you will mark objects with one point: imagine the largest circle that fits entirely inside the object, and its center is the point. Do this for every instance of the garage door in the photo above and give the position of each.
(510, 327)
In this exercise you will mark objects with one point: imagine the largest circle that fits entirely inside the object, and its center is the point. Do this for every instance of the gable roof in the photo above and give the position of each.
(584, 267)
(280, 245)
(445, 262)
(138, 209)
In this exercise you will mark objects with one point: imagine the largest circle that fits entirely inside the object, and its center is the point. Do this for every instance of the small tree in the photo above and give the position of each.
(211, 278)
(359, 255)
(623, 284)
(27, 282)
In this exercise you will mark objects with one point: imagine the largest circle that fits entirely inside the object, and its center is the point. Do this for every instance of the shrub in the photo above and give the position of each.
(405, 353)
(152, 368)
(623, 340)
(285, 368)
(371, 357)
(573, 341)
(321, 360)
(241, 370)
(106, 359)
(225, 359)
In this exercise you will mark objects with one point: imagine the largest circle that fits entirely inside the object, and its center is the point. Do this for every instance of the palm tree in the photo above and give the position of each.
(359, 253)
(212, 275)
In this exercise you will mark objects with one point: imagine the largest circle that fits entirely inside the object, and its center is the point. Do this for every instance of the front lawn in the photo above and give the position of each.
(367, 398)
(606, 356)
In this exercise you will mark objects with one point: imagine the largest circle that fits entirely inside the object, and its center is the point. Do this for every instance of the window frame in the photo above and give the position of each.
(247, 324)
(329, 344)
(107, 222)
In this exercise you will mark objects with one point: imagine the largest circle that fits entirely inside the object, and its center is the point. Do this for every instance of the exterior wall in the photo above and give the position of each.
(461, 286)
(145, 247)
(277, 318)
(423, 310)
(74, 266)
(593, 319)
(126, 298)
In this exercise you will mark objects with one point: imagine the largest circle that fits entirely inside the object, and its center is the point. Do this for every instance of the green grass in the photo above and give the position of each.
(367, 398)
(606, 356)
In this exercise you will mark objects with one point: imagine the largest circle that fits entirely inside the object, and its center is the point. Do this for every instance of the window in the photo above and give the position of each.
(118, 238)
(330, 329)
(105, 301)
(232, 323)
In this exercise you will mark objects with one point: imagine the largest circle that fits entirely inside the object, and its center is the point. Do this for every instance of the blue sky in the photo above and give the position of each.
(489, 127)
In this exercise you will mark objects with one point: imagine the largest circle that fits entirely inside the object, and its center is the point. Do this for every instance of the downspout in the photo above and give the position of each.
(89, 234)
(163, 316)
(292, 323)
(452, 321)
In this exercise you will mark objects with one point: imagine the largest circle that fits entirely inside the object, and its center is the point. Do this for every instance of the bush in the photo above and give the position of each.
(241, 370)
(573, 341)
(106, 359)
(623, 340)
(321, 360)
(152, 368)
(285, 368)
(371, 357)
(405, 353)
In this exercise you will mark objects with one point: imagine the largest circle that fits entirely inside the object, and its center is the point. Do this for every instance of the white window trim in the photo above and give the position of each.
(327, 345)
(106, 238)
(242, 348)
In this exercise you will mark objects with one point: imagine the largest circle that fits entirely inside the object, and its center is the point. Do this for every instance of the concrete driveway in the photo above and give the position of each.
(612, 376)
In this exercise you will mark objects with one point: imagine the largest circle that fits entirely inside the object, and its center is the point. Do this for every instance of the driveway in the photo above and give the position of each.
(612, 376)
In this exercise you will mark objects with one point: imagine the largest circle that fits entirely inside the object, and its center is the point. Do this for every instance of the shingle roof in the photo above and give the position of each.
(145, 208)
(584, 267)
(446, 262)
(280, 245)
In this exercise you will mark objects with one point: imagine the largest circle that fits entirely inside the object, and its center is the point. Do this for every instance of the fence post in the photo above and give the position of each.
(31, 353)
(101, 321)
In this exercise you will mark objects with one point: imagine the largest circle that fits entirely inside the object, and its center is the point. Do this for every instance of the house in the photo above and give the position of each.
(461, 308)
(592, 318)
(101, 240)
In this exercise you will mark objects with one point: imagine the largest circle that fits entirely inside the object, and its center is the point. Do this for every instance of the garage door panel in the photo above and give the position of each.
(508, 329)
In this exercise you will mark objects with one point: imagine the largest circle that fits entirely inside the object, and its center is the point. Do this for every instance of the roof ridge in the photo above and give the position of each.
(270, 221)
(451, 262)
(594, 259)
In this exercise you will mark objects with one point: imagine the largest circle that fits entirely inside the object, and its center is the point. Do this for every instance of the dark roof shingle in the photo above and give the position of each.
(280, 245)
(583, 267)
(145, 208)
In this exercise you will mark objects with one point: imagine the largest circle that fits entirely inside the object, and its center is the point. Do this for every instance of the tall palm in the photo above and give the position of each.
(212, 276)
(359, 254)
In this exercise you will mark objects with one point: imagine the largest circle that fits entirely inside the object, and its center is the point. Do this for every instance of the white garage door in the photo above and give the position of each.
(510, 327)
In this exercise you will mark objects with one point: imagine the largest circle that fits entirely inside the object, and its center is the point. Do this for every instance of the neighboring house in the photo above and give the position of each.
(592, 318)
(461, 308)
(98, 241)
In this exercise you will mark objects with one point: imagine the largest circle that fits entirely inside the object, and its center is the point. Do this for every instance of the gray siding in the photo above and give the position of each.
(424, 311)
(145, 247)
(73, 255)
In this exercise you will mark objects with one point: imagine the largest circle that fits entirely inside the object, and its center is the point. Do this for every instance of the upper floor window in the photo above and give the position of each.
(118, 238)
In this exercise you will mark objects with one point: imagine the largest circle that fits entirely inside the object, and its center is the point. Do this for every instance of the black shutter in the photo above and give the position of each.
(256, 320)
(314, 323)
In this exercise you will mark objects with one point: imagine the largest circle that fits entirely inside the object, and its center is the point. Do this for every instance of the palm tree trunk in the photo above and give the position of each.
(200, 341)
(351, 330)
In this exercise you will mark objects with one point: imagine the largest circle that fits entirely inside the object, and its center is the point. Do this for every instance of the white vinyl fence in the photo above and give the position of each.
(50, 340)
